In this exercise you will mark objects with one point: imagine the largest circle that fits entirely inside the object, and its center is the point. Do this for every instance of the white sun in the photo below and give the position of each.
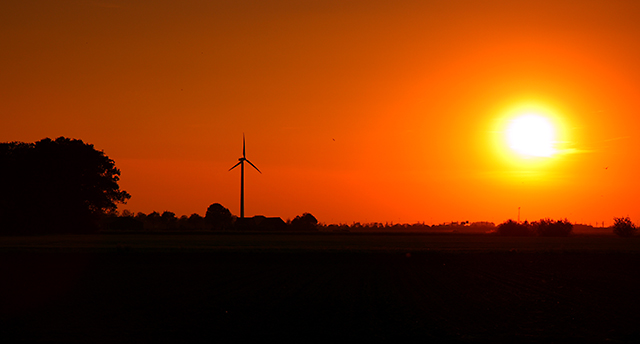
(531, 135)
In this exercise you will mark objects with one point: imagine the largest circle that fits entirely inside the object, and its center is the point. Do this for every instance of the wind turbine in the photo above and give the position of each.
(241, 163)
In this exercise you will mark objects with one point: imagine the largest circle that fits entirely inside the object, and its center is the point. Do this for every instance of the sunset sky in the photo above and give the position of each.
(387, 111)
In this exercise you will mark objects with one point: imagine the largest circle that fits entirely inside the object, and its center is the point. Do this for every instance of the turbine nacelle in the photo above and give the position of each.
(243, 158)
(241, 161)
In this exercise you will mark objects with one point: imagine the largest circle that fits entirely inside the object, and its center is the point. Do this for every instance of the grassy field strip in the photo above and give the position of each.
(215, 296)
(295, 243)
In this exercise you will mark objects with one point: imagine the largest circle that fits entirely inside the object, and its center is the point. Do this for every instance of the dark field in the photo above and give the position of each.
(348, 288)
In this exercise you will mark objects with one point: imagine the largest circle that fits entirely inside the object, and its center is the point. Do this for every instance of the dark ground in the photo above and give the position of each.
(133, 297)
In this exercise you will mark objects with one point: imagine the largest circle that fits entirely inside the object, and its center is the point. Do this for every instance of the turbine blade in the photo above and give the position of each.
(244, 155)
(254, 166)
(236, 165)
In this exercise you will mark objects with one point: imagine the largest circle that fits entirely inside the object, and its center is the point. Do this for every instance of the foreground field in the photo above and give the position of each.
(315, 242)
(152, 292)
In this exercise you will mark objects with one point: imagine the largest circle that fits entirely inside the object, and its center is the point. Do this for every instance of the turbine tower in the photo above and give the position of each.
(241, 163)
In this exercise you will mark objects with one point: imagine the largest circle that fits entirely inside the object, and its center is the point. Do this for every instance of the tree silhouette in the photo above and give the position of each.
(550, 228)
(153, 220)
(169, 220)
(218, 217)
(306, 222)
(623, 227)
(196, 221)
(513, 228)
(127, 213)
(52, 186)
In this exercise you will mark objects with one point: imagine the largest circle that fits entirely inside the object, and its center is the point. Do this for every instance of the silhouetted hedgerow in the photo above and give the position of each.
(551, 228)
(220, 218)
(623, 227)
(513, 228)
(481, 227)
(543, 227)
(168, 221)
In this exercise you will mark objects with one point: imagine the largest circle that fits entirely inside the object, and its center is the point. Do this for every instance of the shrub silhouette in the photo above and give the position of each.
(623, 227)
(551, 228)
(513, 228)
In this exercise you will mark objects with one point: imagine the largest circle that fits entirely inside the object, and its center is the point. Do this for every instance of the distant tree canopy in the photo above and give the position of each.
(513, 228)
(551, 228)
(55, 186)
(218, 217)
(543, 227)
(306, 222)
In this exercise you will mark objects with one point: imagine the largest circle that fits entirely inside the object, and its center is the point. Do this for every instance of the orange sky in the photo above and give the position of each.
(353, 110)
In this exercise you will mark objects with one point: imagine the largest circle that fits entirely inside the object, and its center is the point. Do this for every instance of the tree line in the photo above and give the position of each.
(67, 186)
(217, 217)
(623, 227)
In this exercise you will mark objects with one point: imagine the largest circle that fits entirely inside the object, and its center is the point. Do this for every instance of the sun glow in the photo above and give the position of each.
(531, 135)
